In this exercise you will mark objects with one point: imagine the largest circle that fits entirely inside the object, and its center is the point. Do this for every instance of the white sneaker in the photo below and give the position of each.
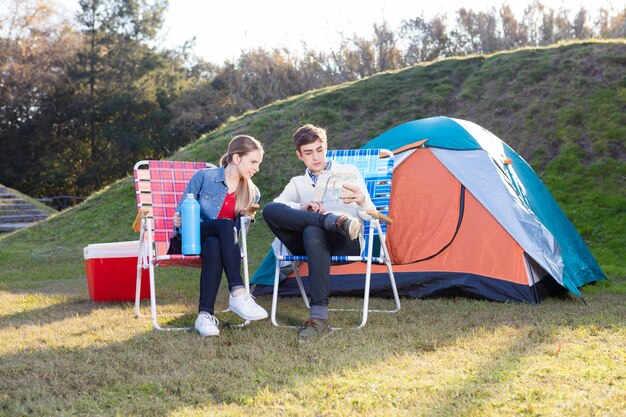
(245, 307)
(206, 325)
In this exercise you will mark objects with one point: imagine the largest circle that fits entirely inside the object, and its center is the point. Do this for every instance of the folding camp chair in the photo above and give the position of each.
(376, 167)
(159, 186)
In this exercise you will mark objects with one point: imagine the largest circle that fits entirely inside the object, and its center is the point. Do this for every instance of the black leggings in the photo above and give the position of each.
(220, 251)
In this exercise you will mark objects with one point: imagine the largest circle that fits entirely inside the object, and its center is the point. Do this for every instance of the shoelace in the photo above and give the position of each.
(313, 323)
(248, 297)
(212, 319)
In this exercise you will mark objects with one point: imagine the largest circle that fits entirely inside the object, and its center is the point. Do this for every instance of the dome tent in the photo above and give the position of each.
(471, 218)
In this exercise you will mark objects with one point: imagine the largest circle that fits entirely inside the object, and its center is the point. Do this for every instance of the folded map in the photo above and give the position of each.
(329, 187)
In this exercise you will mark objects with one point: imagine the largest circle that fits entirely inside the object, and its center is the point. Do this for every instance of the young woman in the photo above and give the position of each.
(224, 193)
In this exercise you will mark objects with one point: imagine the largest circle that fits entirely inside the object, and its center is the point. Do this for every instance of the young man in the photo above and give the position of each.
(316, 229)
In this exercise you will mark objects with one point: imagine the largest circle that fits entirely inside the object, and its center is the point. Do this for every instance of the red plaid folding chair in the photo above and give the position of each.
(159, 186)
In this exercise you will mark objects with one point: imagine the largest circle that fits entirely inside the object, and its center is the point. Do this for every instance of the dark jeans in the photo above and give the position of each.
(220, 250)
(314, 235)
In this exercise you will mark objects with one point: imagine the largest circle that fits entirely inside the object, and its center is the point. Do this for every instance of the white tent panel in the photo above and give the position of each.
(475, 169)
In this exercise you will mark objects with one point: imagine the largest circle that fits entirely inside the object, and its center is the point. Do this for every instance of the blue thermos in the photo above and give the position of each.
(191, 226)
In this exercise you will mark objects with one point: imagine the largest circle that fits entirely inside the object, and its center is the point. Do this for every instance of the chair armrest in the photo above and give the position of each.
(143, 212)
(380, 216)
(251, 211)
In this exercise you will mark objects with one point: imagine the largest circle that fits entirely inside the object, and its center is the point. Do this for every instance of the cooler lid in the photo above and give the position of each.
(112, 250)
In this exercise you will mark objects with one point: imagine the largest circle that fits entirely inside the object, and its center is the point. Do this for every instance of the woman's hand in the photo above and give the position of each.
(352, 194)
(177, 221)
(313, 206)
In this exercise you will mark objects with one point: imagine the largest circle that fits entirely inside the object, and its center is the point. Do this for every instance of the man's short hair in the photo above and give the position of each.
(308, 134)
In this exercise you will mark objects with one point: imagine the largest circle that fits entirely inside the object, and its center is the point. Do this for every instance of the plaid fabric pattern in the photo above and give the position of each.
(179, 260)
(159, 185)
(376, 167)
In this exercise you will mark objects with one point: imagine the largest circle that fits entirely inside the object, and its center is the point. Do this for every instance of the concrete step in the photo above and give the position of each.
(13, 210)
(28, 218)
(18, 206)
(13, 200)
(15, 213)
(11, 227)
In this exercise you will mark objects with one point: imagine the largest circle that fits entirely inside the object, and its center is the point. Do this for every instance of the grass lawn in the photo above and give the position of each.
(61, 354)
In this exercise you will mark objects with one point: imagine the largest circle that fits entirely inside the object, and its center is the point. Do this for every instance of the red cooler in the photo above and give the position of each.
(112, 271)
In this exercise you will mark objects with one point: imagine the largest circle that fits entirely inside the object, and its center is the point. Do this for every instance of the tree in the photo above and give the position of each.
(611, 26)
(467, 35)
(426, 41)
(36, 45)
(513, 34)
(532, 24)
(581, 29)
(387, 53)
(126, 87)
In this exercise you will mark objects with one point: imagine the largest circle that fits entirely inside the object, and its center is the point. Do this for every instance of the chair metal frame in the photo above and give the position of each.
(159, 185)
(376, 167)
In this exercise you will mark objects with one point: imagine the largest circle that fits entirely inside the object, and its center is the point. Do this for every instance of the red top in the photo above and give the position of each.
(228, 208)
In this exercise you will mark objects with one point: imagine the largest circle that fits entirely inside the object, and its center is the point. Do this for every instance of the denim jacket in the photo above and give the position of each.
(209, 187)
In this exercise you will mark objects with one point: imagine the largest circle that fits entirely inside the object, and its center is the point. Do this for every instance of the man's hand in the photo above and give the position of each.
(177, 221)
(313, 206)
(352, 194)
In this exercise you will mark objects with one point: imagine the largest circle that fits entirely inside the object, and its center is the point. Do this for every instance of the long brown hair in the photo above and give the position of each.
(241, 145)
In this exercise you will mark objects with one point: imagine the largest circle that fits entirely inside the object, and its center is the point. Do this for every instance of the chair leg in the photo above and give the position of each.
(275, 293)
(244, 253)
(275, 296)
(366, 293)
(138, 288)
(368, 277)
(140, 260)
(300, 285)
(392, 278)
(153, 305)
(244, 261)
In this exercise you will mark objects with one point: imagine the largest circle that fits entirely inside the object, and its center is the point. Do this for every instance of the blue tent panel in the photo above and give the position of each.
(441, 132)
(580, 267)
(264, 274)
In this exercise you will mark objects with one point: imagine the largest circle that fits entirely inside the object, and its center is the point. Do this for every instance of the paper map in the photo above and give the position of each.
(329, 187)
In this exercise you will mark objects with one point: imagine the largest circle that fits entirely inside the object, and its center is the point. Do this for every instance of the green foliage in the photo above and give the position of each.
(108, 105)
(593, 198)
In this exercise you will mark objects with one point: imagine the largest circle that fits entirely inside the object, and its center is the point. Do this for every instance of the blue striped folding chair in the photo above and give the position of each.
(376, 167)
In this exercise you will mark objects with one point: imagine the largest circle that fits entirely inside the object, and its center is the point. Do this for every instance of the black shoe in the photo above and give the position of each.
(314, 328)
(349, 226)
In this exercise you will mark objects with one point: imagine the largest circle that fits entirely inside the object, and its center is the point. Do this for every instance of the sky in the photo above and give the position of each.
(224, 28)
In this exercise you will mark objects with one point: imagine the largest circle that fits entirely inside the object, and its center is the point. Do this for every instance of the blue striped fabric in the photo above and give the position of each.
(361, 258)
(377, 173)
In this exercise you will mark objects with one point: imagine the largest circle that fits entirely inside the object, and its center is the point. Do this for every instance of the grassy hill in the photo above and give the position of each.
(562, 108)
